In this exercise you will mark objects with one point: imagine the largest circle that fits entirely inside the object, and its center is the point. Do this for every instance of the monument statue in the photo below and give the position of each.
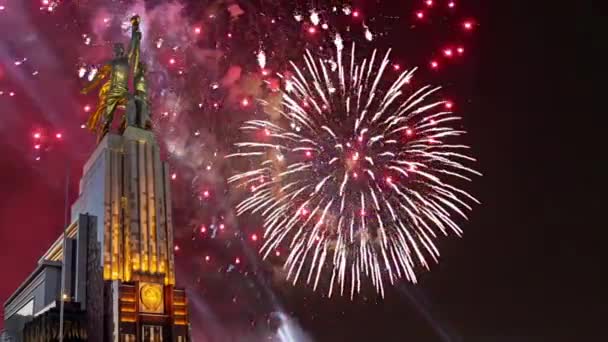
(114, 93)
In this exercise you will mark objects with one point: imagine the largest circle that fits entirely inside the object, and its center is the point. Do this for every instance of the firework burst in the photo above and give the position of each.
(355, 179)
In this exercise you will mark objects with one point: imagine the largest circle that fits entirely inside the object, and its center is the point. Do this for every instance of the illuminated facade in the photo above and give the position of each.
(120, 274)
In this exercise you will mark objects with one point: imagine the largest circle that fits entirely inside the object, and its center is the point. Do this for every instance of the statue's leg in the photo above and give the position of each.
(131, 112)
(138, 106)
(108, 118)
(146, 123)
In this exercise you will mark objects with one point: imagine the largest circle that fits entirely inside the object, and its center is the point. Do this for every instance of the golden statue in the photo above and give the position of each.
(114, 93)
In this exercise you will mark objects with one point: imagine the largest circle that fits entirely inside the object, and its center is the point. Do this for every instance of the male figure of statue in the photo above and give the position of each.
(138, 112)
(114, 92)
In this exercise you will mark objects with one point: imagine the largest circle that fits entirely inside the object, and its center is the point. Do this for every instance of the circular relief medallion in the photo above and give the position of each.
(151, 298)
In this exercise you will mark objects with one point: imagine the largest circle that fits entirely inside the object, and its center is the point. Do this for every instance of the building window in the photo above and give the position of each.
(152, 333)
(127, 338)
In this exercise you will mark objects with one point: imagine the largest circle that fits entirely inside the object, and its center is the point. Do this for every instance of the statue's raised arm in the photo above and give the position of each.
(134, 48)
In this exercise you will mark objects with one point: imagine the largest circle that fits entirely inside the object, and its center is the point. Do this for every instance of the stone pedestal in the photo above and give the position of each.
(126, 186)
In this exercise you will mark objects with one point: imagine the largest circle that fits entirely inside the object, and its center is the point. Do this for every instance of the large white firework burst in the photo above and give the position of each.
(355, 179)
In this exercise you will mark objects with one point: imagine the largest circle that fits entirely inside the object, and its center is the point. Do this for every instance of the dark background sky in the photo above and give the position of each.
(529, 265)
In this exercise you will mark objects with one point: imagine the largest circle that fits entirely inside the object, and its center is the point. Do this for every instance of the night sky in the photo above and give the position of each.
(527, 268)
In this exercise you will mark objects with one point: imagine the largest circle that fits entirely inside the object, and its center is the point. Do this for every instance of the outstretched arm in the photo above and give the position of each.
(101, 74)
(134, 52)
(135, 44)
